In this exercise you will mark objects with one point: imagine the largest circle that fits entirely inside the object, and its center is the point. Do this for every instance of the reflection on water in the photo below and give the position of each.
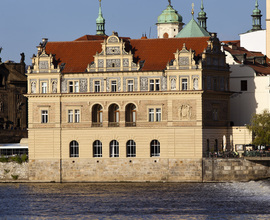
(136, 201)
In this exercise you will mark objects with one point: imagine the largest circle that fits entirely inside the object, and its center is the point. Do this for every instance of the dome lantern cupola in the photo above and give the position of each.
(169, 22)
(256, 18)
(202, 17)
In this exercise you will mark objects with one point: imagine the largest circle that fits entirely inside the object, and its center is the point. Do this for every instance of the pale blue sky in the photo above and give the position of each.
(24, 23)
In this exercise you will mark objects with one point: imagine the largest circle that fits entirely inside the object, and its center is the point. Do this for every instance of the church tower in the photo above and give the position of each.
(169, 23)
(202, 17)
(268, 28)
(100, 21)
(256, 17)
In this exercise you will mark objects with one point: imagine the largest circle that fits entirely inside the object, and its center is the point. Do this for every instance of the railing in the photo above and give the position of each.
(130, 124)
(113, 124)
(256, 154)
(97, 124)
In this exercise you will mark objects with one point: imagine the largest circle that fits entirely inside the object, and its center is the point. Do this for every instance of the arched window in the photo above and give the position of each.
(155, 148)
(131, 115)
(114, 148)
(97, 149)
(165, 35)
(131, 148)
(74, 149)
(114, 115)
(97, 116)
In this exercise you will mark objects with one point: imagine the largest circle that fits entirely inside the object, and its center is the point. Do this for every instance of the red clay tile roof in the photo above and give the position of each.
(156, 52)
(259, 68)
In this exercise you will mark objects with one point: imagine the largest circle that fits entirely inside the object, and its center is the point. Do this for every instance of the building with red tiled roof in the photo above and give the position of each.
(249, 79)
(110, 108)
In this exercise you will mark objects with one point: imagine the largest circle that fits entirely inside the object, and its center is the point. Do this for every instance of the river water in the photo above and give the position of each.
(249, 200)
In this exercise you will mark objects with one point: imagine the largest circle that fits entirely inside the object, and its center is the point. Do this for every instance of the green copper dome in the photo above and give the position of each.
(169, 15)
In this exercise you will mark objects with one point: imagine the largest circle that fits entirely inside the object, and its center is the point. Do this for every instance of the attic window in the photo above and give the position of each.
(113, 65)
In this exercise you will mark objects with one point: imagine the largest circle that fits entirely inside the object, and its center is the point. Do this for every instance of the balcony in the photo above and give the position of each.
(113, 124)
(97, 124)
(130, 124)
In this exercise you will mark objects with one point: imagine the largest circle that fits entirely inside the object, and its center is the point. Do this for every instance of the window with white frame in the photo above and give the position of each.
(74, 149)
(154, 114)
(154, 148)
(70, 116)
(114, 148)
(44, 116)
(131, 148)
(154, 84)
(158, 114)
(97, 86)
(113, 86)
(151, 114)
(184, 83)
(97, 149)
(130, 85)
(73, 86)
(44, 87)
(73, 115)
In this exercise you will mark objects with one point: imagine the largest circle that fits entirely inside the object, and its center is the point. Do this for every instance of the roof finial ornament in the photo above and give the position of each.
(170, 3)
(192, 12)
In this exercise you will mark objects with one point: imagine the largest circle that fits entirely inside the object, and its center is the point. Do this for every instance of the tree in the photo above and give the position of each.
(260, 127)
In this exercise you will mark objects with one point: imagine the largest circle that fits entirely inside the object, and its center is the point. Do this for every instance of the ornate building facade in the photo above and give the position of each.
(107, 108)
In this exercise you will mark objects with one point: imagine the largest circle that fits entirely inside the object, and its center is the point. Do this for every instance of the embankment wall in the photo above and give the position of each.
(136, 170)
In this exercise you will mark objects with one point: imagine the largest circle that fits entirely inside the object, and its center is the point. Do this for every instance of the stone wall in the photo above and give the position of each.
(14, 172)
(222, 170)
(136, 170)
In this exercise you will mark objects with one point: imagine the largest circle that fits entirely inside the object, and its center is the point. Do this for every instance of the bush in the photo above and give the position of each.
(24, 158)
(3, 159)
(16, 159)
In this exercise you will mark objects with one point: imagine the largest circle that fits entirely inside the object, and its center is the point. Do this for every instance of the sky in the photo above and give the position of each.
(25, 23)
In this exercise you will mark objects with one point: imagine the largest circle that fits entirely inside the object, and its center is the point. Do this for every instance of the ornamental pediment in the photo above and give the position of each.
(183, 59)
(43, 62)
(113, 57)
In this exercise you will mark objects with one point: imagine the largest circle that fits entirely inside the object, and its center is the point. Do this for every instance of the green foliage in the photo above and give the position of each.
(6, 171)
(15, 177)
(17, 159)
(260, 126)
(3, 159)
(24, 158)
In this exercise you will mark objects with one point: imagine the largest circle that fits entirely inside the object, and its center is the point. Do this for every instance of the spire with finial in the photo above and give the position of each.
(170, 3)
(256, 18)
(100, 21)
(202, 17)
(192, 12)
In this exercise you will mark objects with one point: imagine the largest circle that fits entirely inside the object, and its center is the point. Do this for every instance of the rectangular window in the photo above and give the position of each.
(44, 87)
(243, 85)
(73, 86)
(151, 114)
(113, 86)
(152, 85)
(154, 114)
(44, 116)
(74, 116)
(130, 85)
(77, 116)
(158, 114)
(97, 86)
(184, 84)
(157, 85)
(70, 116)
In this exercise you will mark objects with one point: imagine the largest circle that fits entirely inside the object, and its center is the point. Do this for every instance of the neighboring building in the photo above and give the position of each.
(268, 28)
(250, 80)
(255, 39)
(13, 104)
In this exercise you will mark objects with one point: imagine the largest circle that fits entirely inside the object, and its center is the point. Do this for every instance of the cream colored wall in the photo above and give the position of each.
(171, 29)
